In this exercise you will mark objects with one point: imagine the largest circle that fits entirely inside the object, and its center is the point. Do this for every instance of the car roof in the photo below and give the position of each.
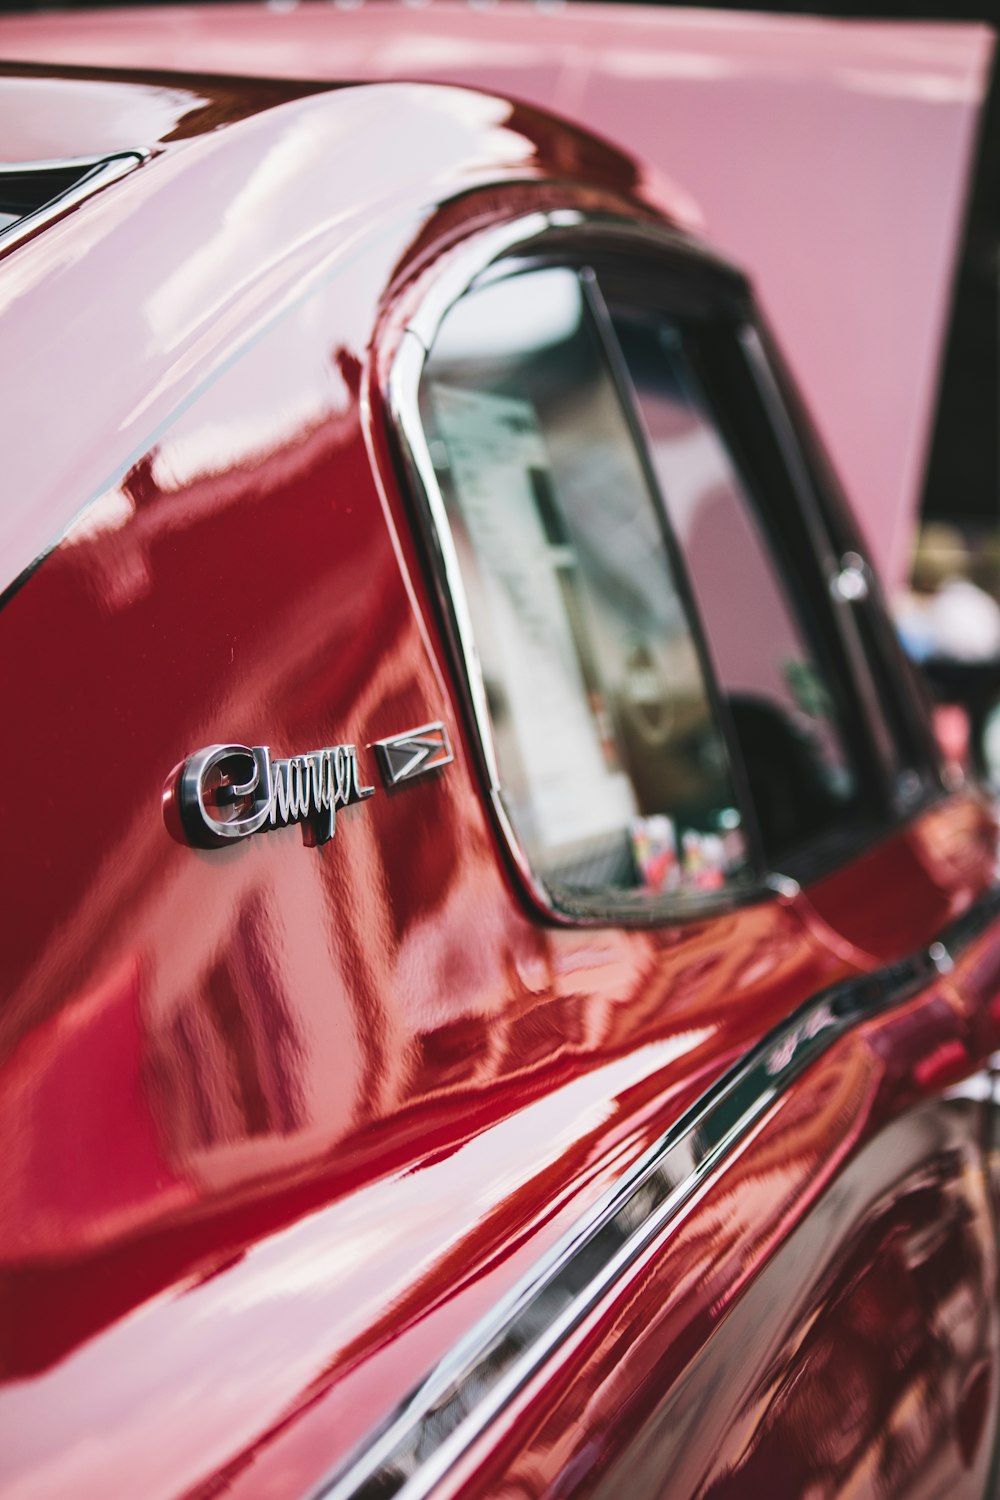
(248, 195)
(829, 158)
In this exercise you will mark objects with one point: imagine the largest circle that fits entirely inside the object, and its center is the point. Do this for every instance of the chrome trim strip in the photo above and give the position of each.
(473, 1384)
(404, 381)
(102, 171)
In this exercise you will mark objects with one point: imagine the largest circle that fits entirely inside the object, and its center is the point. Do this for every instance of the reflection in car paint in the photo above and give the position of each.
(469, 1390)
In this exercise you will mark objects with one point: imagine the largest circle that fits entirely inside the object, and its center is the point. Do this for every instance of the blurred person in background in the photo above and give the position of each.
(945, 612)
(949, 623)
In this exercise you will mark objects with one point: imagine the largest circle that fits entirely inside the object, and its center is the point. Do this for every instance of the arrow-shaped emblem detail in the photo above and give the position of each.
(412, 754)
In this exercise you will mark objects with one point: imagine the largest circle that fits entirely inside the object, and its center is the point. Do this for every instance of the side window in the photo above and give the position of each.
(787, 717)
(607, 745)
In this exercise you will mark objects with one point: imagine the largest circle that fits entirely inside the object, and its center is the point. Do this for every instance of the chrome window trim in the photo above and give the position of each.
(403, 386)
(472, 1385)
(476, 262)
(99, 172)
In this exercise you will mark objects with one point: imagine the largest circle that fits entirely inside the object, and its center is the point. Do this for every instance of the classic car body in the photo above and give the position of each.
(404, 1161)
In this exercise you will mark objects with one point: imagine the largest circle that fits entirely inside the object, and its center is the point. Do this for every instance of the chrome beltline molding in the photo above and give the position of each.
(98, 172)
(481, 1375)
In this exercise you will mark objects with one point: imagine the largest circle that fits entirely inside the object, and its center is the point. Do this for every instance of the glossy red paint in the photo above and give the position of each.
(850, 1348)
(278, 1123)
(912, 884)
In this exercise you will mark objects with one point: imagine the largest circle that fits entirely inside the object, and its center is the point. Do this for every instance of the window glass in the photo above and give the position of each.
(612, 764)
(782, 707)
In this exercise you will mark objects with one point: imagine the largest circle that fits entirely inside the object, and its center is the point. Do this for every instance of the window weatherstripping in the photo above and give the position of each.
(34, 193)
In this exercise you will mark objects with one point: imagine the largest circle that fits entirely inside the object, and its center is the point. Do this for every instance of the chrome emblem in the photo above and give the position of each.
(412, 754)
(228, 792)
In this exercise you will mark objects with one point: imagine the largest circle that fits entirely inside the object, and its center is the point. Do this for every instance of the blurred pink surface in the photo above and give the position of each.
(830, 159)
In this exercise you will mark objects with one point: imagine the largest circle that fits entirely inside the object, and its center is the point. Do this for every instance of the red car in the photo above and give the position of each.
(499, 993)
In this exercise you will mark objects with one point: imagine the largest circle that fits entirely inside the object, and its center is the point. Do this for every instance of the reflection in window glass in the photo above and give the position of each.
(782, 710)
(612, 766)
